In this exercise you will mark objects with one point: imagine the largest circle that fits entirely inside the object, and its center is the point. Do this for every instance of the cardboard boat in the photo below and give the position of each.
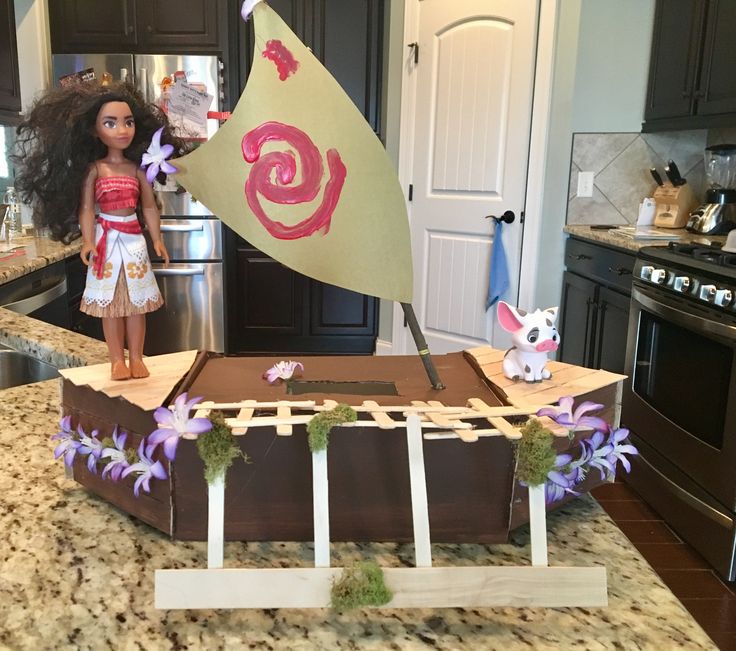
(470, 467)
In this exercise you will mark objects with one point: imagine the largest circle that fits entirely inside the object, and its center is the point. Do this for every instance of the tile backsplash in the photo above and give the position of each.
(621, 163)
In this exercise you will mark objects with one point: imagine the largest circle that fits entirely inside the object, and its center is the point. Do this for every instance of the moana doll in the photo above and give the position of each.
(80, 148)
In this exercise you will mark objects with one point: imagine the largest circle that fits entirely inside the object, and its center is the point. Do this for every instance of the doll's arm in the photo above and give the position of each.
(151, 216)
(87, 214)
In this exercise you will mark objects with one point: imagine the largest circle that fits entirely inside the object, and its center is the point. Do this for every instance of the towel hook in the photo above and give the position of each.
(507, 217)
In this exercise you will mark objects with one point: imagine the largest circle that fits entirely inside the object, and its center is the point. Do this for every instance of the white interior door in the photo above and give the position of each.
(472, 98)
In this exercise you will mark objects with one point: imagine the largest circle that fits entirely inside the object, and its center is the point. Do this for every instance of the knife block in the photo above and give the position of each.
(674, 204)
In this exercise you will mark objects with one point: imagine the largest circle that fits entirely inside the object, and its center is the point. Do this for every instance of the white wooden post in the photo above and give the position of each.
(538, 525)
(215, 522)
(320, 496)
(417, 480)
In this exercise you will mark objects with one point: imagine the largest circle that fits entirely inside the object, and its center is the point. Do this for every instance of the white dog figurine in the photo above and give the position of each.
(533, 335)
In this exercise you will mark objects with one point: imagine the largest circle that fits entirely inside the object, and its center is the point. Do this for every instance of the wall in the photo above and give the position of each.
(391, 117)
(605, 47)
(612, 65)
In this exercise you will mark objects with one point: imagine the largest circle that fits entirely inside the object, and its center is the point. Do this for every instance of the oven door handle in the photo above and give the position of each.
(701, 507)
(699, 323)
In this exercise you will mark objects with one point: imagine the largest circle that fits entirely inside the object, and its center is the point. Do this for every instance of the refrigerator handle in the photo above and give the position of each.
(143, 82)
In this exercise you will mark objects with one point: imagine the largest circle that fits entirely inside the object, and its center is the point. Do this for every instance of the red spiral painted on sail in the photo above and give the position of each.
(261, 180)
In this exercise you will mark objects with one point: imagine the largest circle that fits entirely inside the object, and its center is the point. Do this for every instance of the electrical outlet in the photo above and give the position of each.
(585, 184)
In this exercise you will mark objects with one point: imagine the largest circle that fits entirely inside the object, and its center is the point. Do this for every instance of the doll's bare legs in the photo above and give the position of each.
(114, 330)
(135, 327)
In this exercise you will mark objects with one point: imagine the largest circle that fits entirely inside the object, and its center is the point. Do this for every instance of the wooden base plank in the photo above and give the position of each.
(422, 587)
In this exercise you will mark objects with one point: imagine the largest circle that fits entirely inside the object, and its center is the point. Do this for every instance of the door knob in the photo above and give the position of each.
(507, 217)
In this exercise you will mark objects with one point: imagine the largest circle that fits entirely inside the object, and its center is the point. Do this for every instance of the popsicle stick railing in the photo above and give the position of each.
(421, 586)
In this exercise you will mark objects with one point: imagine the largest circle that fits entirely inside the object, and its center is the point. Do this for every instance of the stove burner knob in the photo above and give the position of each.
(681, 284)
(707, 293)
(646, 272)
(658, 276)
(723, 297)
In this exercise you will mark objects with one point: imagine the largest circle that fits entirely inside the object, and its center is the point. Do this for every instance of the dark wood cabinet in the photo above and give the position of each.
(346, 36)
(274, 309)
(612, 323)
(76, 274)
(577, 320)
(10, 104)
(138, 26)
(595, 306)
(691, 81)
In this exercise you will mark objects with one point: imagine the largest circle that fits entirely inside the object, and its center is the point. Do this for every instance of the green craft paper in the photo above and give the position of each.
(367, 248)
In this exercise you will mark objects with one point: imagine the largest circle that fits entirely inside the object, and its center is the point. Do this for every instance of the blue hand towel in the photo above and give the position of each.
(498, 281)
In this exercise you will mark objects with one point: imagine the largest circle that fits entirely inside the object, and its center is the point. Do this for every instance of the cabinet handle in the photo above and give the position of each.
(129, 30)
(149, 29)
(687, 94)
(619, 271)
(582, 256)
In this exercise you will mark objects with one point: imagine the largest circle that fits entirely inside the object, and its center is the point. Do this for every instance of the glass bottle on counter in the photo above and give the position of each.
(12, 224)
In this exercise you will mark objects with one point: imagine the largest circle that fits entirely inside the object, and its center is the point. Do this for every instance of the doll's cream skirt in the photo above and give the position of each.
(128, 285)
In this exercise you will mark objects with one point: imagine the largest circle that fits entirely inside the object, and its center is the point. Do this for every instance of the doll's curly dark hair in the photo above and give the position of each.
(56, 143)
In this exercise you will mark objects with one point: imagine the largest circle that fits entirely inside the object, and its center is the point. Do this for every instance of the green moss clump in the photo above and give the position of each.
(319, 427)
(217, 448)
(536, 456)
(360, 585)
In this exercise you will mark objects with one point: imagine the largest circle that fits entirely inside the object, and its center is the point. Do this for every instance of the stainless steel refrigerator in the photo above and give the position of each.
(193, 315)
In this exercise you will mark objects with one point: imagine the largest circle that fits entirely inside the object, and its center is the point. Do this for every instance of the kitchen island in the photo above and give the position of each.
(23, 255)
(77, 573)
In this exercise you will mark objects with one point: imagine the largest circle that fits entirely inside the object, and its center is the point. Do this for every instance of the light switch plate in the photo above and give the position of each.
(585, 184)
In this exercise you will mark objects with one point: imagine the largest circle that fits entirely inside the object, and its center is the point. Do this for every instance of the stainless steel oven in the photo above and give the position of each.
(193, 314)
(680, 396)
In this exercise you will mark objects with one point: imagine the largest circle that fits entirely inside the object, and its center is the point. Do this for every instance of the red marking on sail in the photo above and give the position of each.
(284, 165)
(285, 62)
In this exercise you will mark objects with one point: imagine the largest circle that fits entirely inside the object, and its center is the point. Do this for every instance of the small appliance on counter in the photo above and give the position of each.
(674, 200)
(718, 214)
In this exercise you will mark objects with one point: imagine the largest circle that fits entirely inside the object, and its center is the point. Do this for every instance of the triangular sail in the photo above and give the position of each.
(297, 172)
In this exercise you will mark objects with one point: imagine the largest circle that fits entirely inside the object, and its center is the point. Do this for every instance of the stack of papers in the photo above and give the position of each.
(648, 233)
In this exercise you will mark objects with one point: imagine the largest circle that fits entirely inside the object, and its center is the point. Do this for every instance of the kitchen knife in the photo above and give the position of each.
(673, 174)
(655, 175)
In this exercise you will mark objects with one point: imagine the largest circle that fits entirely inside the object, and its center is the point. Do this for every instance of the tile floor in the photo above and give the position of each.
(711, 601)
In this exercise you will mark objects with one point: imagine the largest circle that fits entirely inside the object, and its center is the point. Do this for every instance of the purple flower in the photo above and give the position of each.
(117, 459)
(147, 468)
(90, 446)
(564, 415)
(282, 371)
(561, 479)
(155, 157)
(247, 9)
(174, 423)
(68, 444)
(618, 449)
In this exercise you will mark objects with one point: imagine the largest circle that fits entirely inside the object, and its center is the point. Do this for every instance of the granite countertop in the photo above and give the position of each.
(612, 237)
(77, 573)
(23, 255)
(56, 346)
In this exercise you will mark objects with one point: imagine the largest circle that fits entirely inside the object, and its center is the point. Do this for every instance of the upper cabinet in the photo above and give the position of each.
(691, 80)
(10, 105)
(138, 26)
(346, 36)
